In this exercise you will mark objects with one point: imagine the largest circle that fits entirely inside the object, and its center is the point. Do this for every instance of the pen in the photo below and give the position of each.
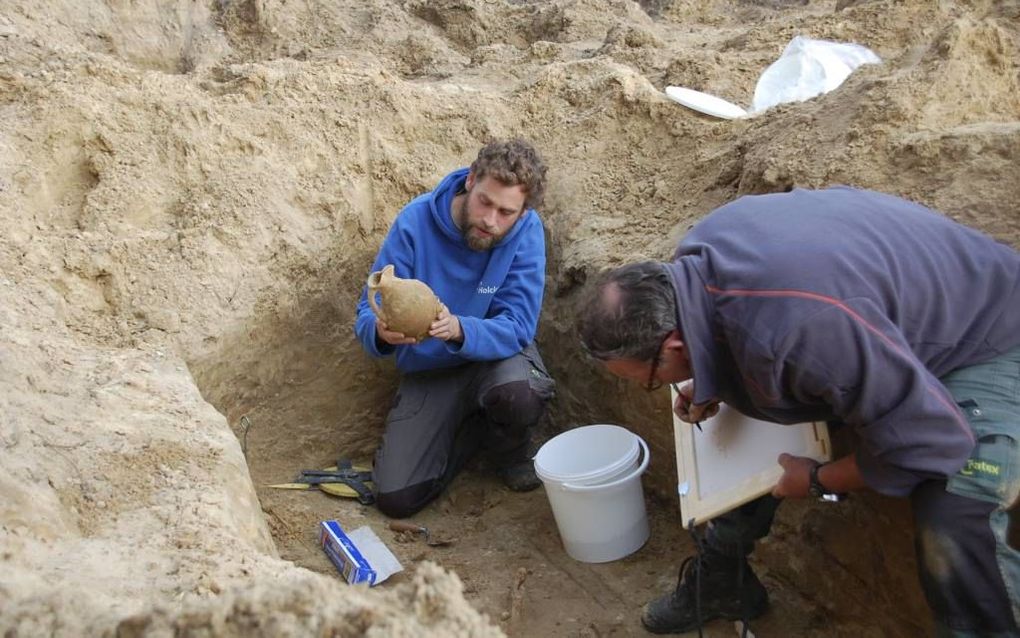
(676, 388)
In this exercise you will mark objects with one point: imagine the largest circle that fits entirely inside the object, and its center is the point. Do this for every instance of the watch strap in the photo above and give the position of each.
(818, 490)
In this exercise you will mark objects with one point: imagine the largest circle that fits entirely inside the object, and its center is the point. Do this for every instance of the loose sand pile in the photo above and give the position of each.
(191, 194)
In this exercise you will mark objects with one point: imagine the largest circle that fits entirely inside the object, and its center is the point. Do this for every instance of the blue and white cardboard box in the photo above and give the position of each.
(359, 556)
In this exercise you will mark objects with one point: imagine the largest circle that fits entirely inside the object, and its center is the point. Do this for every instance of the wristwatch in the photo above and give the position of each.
(818, 490)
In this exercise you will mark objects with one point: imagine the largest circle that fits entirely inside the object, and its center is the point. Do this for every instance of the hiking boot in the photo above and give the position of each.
(520, 476)
(729, 590)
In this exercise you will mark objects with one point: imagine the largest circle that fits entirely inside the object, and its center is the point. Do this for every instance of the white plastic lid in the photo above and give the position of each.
(588, 454)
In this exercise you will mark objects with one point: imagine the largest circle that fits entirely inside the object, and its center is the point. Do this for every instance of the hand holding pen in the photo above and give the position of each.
(688, 412)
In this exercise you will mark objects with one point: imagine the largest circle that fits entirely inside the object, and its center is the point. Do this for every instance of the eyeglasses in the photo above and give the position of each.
(654, 384)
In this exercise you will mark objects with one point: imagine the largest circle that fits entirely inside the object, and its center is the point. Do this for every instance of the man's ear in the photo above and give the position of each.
(470, 182)
(675, 342)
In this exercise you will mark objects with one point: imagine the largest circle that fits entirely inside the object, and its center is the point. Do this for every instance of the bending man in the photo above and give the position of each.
(852, 306)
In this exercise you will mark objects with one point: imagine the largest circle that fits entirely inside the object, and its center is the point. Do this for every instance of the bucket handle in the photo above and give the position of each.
(590, 488)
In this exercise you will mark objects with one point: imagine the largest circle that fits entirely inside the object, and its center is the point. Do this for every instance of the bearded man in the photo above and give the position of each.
(477, 381)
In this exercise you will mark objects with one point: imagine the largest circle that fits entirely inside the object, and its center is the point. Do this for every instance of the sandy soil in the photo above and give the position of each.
(191, 194)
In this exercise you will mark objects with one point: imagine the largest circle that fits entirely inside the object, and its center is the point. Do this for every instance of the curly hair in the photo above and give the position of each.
(513, 162)
(628, 313)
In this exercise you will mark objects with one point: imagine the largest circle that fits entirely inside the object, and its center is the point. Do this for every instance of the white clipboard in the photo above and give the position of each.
(732, 459)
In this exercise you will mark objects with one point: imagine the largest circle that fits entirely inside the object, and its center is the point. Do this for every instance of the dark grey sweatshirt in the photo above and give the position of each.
(845, 304)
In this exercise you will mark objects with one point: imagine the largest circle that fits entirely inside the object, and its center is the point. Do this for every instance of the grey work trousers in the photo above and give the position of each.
(968, 571)
(440, 418)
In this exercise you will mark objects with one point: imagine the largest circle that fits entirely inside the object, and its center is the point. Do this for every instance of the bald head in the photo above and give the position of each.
(611, 296)
(629, 312)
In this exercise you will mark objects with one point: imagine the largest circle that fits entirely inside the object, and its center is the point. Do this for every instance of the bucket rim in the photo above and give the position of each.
(625, 461)
(636, 473)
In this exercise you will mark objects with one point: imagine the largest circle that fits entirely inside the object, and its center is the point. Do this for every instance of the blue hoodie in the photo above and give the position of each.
(496, 294)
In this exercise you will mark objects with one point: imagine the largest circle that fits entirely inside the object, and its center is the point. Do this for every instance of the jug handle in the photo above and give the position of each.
(373, 290)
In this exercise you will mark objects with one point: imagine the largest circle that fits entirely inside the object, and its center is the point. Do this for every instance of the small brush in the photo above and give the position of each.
(675, 387)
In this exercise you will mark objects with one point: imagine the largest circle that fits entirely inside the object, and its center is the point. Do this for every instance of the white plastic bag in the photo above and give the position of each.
(808, 68)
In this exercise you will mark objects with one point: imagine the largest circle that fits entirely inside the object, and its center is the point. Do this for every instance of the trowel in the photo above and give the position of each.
(414, 528)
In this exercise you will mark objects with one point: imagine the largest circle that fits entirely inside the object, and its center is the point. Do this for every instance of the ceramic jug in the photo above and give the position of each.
(408, 305)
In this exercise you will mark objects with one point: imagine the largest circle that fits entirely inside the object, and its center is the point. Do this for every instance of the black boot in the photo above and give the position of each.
(729, 590)
(520, 476)
(516, 467)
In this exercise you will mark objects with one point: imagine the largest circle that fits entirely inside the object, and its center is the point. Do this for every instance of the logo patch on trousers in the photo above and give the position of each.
(985, 468)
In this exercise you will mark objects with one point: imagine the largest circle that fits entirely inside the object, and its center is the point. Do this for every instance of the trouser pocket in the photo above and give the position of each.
(538, 375)
(991, 473)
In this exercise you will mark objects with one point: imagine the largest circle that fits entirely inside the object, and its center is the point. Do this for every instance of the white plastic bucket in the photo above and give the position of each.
(592, 476)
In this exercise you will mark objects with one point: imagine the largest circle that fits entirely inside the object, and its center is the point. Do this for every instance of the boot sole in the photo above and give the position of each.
(753, 614)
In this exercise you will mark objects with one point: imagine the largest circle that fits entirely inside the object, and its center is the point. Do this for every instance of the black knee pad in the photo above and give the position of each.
(405, 502)
(957, 560)
(513, 404)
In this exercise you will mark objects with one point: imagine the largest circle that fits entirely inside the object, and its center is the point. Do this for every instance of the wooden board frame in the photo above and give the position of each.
(722, 467)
